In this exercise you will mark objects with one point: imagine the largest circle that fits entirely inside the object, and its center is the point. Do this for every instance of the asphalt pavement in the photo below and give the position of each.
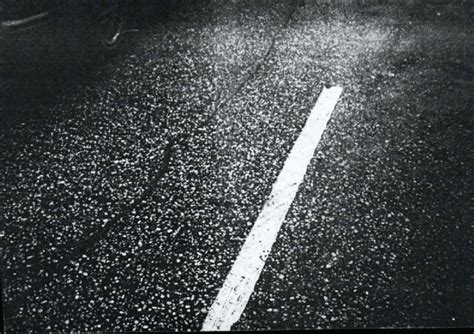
(128, 189)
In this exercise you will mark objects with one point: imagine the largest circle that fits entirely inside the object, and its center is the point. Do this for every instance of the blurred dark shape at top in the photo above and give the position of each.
(50, 45)
(38, 33)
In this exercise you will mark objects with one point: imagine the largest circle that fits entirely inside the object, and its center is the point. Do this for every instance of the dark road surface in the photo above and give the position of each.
(128, 189)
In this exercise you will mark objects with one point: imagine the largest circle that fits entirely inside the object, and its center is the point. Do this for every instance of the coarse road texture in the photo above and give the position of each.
(127, 190)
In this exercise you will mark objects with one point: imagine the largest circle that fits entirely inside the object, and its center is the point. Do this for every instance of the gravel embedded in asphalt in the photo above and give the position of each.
(378, 236)
(355, 249)
(98, 148)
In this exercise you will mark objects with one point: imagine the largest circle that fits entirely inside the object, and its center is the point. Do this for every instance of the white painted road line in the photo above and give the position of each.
(240, 282)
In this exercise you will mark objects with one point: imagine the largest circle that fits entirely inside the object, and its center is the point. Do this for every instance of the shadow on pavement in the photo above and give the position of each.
(30, 90)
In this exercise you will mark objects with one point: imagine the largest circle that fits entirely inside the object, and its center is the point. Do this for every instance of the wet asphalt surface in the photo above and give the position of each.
(127, 189)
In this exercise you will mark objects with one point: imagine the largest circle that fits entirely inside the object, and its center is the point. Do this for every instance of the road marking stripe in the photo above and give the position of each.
(240, 282)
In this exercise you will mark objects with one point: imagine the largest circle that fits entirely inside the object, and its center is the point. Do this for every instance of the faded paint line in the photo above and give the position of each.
(240, 282)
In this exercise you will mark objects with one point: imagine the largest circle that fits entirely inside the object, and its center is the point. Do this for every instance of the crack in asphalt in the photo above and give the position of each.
(126, 210)
(256, 66)
(87, 244)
